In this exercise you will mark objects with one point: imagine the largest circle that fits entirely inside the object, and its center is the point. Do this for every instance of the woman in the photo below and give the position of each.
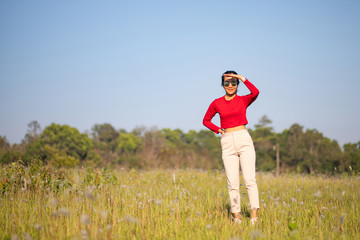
(236, 143)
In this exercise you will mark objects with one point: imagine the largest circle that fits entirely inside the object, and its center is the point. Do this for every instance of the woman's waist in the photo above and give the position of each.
(234, 129)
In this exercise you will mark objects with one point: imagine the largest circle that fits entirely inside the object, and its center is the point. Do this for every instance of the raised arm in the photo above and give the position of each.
(254, 92)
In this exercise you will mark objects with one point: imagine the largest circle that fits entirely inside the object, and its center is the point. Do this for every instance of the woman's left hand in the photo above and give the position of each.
(242, 78)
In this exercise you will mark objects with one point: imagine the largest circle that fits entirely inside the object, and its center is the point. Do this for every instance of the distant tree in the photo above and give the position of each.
(153, 145)
(5, 151)
(264, 123)
(208, 148)
(128, 143)
(66, 145)
(138, 131)
(312, 143)
(351, 160)
(4, 144)
(173, 137)
(264, 140)
(321, 154)
(31, 146)
(295, 148)
(33, 132)
(34, 150)
(330, 154)
(105, 137)
(190, 137)
(175, 153)
(308, 151)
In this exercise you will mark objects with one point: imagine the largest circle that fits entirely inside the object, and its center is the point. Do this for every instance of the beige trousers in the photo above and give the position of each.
(238, 149)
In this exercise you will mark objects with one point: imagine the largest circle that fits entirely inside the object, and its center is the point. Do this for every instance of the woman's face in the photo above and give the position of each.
(230, 85)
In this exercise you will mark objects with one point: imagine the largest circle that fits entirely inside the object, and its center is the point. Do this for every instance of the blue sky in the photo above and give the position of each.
(158, 63)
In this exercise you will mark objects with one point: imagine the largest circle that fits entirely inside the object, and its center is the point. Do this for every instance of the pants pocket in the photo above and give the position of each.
(226, 144)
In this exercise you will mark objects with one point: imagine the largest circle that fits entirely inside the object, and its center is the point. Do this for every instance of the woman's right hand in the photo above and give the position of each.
(221, 131)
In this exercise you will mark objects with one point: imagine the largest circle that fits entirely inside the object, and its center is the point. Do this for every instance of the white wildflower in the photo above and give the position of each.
(84, 234)
(89, 194)
(103, 214)
(342, 218)
(257, 234)
(131, 219)
(27, 236)
(14, 237)
(37, 226)
(63, 212)
(53, 202)
(84, 219)
(317, 194)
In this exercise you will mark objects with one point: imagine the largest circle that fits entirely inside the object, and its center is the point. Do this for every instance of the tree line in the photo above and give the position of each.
(296, 149)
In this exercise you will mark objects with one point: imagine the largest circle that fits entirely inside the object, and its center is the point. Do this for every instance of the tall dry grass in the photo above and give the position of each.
(45, 203)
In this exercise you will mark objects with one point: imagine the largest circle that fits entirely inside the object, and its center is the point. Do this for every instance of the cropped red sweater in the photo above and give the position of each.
(233, 112)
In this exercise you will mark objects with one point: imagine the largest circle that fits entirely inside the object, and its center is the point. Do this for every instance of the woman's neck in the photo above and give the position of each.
(229, 97)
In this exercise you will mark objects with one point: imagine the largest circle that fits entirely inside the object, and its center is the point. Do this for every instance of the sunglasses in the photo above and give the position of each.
(233, 83)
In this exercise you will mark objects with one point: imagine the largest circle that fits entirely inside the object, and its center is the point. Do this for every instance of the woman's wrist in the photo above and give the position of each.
(242, 78)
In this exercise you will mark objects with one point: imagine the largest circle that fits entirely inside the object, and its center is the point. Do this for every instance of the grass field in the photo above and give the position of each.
(44, 203)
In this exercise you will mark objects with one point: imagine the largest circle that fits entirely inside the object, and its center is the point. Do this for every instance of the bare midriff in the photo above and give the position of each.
(237, 128)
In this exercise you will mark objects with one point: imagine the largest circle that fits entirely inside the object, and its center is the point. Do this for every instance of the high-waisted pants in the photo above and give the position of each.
(238, 149)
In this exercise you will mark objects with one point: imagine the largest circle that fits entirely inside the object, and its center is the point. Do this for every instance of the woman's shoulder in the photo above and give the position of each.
(222, 98)
(218, 100)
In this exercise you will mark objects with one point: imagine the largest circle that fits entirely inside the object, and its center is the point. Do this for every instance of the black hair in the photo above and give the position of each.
(228, 72)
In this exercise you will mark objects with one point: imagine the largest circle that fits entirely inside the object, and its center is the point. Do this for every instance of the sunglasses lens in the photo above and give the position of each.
(233, 83)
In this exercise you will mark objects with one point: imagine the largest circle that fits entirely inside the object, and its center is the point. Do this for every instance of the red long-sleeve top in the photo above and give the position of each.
(233, 112)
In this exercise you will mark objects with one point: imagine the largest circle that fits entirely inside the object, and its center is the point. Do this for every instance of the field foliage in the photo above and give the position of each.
(38, 202)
